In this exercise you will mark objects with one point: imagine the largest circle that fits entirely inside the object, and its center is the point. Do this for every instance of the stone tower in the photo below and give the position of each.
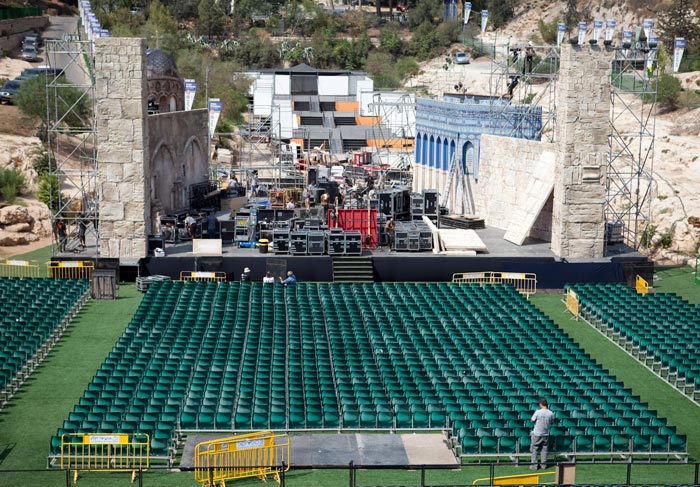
(122, 137)
(583, 127)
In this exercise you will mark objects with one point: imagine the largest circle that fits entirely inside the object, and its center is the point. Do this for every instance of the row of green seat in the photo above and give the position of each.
(663, 325)
(202, 356)
(32, 309)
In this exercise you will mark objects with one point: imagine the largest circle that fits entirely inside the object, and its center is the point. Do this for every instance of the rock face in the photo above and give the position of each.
(20, 225)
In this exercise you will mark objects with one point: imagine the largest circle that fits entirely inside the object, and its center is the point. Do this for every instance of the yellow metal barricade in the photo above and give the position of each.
(252, 455)
(19, 268)
(641, 285)
(523, 479)
(70, 269)
(105, 452)
(524, 282)
(572, 302)
(202, 276)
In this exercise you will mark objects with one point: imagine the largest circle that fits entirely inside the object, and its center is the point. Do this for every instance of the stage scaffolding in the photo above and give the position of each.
(264, 151)
(72, 141)
(526, 83)
(396, 134)
(630, 165)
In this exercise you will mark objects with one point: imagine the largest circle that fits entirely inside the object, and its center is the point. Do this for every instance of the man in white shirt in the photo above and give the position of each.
(539, 438)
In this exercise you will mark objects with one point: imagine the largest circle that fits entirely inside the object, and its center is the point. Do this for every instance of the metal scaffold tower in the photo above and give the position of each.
(630, 166)
(396, 131)
(525, 75)
(72, 143)
(264, 151)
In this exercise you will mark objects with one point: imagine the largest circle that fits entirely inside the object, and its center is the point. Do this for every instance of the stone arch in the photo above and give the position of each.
(164, 179)
(446, 155)
(431, 151)
(419, 148)
(173, 104)
(469, 158)
(195, 161)
(453, 147)
(163, 104)
(438, 152)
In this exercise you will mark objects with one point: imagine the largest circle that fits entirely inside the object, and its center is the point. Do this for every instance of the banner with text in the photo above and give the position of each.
(582, 27)
(190, 91)
(561, 30)
(610, 29)
(648, 25)
(597, 28)
(484, 20)
(678, 48)
(215, 107)
(467, 12)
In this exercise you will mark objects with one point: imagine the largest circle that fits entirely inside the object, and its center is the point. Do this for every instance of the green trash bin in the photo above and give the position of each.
(263, 244)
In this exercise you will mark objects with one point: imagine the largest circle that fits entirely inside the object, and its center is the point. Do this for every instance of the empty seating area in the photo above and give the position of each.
(35, 313)
(317, 356)
(660, 330)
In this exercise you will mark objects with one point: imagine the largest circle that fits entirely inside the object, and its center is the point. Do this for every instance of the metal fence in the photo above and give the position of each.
(624, 473)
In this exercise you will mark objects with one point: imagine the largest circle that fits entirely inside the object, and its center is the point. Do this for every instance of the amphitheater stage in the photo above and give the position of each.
(621, 265)
(338, 450)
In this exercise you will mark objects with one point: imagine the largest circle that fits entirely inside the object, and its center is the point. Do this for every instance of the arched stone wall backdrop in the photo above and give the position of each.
(164, 179)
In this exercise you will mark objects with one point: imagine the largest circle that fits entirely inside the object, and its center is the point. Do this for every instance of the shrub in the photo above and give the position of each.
(49, 192)
(668, 91)
(41, 163)
(11, 184)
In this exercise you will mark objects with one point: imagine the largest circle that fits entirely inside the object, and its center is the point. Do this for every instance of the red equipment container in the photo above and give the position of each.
(363, 221)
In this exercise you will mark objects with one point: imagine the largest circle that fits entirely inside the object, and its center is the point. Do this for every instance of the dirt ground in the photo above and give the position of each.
(8, 252)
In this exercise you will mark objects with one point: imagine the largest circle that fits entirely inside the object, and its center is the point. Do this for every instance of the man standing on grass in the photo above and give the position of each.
(539, 439)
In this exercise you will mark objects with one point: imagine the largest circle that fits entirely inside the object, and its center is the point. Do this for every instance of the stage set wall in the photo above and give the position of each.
(178, 158)
(513, 166)
(551, 273)
(453, 128)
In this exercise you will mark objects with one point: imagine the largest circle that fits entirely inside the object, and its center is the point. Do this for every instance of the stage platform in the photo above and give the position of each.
(533, 257)
(338, 450)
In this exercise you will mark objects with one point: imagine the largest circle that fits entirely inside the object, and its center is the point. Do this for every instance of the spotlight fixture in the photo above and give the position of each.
(626, 45)
(653, 43)
(607, 43)
(593, 42)
(573, 41)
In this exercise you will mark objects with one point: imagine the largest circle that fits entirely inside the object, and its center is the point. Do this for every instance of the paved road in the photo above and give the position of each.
(72, 63)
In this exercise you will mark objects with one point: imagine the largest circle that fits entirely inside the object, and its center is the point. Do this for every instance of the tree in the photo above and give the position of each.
(571, 14)
(211, 18)
(679, 20)
(65, 102)
(160, 30)
(183, 9)
(667, 91)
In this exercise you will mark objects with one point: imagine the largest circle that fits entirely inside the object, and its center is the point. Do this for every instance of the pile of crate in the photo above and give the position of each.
(316, 242)
(143, 283)
(412, 236)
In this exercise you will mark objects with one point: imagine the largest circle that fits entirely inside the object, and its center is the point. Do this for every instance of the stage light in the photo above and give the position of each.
(593, 42)
(607, 43)
(653, 43)
(573, 41)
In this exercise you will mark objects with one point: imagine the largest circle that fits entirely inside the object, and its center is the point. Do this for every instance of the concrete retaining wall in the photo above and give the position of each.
(12, 31)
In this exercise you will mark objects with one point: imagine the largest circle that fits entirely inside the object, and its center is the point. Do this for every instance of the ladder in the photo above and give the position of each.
(462, 181)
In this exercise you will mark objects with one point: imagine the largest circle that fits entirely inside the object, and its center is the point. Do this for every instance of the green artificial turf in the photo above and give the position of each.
(39, 256)
(678, 280)
(44, 401)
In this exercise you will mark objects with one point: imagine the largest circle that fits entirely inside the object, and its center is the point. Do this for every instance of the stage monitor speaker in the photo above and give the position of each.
(430, 202)
(155, 242)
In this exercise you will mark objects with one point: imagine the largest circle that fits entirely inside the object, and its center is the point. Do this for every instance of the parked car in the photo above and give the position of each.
(9, 90)
(460, 57)
(33, 39)
(30, 53)
(31, 72)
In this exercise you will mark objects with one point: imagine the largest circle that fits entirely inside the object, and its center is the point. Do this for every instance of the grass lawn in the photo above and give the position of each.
(678, 280)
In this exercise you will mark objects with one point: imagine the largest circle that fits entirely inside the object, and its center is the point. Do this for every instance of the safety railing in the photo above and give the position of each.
(572, 302)
(524, 283)
(260, 454)
(19, 268)
(535, 478)
(104, 452)
(641, 285)
(70, 269)
(202, 276)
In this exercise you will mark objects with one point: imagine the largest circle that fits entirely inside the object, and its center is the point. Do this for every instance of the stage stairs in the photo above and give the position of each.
(353, 269)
